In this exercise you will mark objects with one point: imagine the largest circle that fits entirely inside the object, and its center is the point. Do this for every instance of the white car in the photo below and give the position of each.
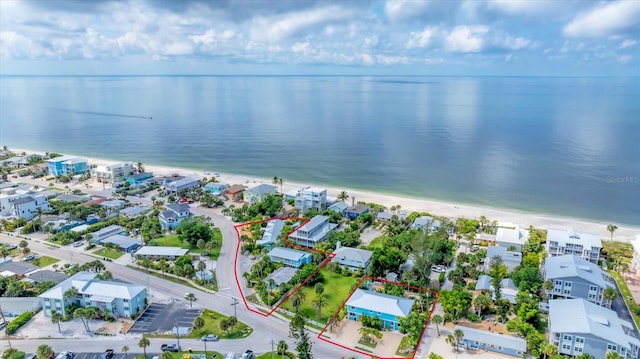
(438, 269)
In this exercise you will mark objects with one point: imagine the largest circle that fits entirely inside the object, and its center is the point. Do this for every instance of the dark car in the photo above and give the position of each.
(108, 354)
(170, 348)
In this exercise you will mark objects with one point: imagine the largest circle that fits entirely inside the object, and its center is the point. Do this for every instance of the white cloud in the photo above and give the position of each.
(421, 39)
(367, 59)
(392, 60)
(522, 7)
(283, 27)
(624, 59)
(466, 38)
(516, 43)
(401, 10)
(605, 20)
(627, 43)
(300, 47)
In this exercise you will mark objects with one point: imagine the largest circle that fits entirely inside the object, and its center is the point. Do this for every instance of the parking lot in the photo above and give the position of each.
(115, 356)
(164, 317)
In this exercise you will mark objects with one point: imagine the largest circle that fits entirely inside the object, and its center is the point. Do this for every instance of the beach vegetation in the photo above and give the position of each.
(466, 226)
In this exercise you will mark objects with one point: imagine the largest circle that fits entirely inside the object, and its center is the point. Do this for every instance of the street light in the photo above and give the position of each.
(234, 304)
(205, 350)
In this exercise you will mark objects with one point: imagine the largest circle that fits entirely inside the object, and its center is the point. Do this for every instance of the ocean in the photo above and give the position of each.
(558, 146)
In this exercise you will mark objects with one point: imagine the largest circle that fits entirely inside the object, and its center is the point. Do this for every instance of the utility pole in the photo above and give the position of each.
(272, 350)
(205, 349)
(178, 335)
(234, 304)
(6, 329)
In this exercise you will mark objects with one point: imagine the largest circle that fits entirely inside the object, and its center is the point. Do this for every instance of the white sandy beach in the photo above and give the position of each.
(438, 208)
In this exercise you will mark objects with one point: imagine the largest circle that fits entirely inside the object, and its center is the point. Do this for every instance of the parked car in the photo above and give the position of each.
(12, 246)
(30, 257)
(3, 325)
(248, 355)
(65, 355)
(209, 338)
(475, 248)
(170, 348)
(108, 354)
(438, 269)
(30, 356)
(78, 244)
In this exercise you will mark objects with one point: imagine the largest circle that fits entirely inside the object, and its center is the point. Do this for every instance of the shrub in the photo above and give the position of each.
(90, 246)
(19, 321)
(473, 317)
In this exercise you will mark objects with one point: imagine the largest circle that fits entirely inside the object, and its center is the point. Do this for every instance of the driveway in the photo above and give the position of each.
(160, 318)
(347, 333)
(620, 307)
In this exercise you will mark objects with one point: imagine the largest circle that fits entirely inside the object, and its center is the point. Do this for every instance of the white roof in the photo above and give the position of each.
(512, 236)
(161, 251)
(496, 339)
(564, 236)
(288, 253)
(507, 256)
(380, 302)
(85, 283)
(568, 266)
(343, 254)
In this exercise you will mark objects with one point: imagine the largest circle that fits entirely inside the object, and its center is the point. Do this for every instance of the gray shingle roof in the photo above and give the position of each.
(20, 268)
(569, 265)
(358, 208)
(379, 302)
(23, 200)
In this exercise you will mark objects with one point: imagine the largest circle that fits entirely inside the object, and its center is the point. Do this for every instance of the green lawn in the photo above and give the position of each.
(276, 356)
(44, 261)
(405, 349)
(376, 242)
(337, 288)
(109, 253)
(212, 326)
(173, 240)
(626, 293)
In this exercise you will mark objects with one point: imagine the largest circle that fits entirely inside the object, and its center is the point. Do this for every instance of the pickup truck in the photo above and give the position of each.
(108, 354)
(170, 348)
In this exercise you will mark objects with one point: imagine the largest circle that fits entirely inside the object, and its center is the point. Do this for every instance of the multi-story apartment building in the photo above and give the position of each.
(67, 165)
(311, 198)
(567, 241)
(573, 277)
(111, 173)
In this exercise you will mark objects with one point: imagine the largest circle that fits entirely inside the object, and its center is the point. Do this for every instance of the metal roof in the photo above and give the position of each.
(564, 236)
(380, 302)
(496, 339)
(288, 254)
(161, 251)
(569, 265)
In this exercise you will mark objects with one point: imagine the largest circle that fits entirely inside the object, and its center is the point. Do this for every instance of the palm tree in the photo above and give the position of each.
(275, 181)
(281, 182)
(140, 167)
(125, 349)
(482, 301)
(44, 352)
(166, 355)
(297, 299)
(4, 252)
(190, 297)
(451, 340)
(437, 320)
(612, 228)
(56, 318)
(584, 356)
(70, 294)
(549, 350)
(282, 348)
(483, 222)
(610, 294)
(144, 343)
(343, 196)
(320, 302)
(548, 286)
(459, 335)
(612, 355)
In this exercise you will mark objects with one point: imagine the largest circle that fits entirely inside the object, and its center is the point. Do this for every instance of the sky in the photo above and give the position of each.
(331, 37)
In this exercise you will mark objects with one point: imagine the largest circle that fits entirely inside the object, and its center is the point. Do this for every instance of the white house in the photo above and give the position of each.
(23, 205)
(111, 173)
(311, 198)
(352, 258)
(567, 241)
(512, 238)
(183, 184)
(258, 193)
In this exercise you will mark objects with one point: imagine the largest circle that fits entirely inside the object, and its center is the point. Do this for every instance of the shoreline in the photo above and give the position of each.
(435, 207)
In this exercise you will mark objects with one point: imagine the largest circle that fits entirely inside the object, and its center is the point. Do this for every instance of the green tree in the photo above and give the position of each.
(297, 330)
(70, 294)
(190, 297)
(166, 355)
(497, 272)
(612, 355)
(343, 196)
(320, 302)
(125, 350)
(455, 302)
(481, 302)
(437, 320)
(451, 340)
(44, 352)
(435, 356)
(282, 348)
(193, 229)
(611, 228)
(459, 335)
(319, 288)
(198, 323)
(56, 318)
(144, 343)
(4, 252)
(610, 294)
(549, 350)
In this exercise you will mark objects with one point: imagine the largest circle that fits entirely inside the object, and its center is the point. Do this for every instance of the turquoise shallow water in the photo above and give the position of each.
(565, 146)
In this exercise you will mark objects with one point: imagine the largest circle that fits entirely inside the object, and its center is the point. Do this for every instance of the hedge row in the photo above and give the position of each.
(21, 320)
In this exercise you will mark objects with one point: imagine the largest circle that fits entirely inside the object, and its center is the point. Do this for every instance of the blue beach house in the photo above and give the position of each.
(67, 165)
(139, 178)
(387, 307)
(495, 342)
(356, 211)
(216, 188)
(290, 257)
(173, 216)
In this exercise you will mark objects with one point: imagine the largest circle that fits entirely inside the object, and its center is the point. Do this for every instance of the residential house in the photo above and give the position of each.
(426, 222)
(271, 233)
(67, 165)
(574, 277)
(495, 342)
(314, 232)
(509, 259)
(100, 235)
(578, 326)
(508, 289)
(387, 216)
(512, 238)
(138, 179)
(352, 258)
(387, 307)
(635, 262)
(46, 275)
(291, 257)
(216, 188)
(124, 243)
(585, 245)
(68, 198)
(339, 207)
(183, 184)
(279, 276)
(14, 306)
(23, 205)
(157, 252)
(18, 269)
(258, 193)
(356, 211)
(310, 197)
(174, 214)
(235, 192)
(134, 212)
(114, 172)
(121, 299)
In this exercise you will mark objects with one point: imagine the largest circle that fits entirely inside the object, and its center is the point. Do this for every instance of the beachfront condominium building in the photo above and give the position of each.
(567, 241)
(114, 172)
(313, 232)
(512, 238)
(388, 308)
(573, 277)
(577, 326)
(258, 193)
(311, 198)
(119, 298)
(67, 165)
(184, 184)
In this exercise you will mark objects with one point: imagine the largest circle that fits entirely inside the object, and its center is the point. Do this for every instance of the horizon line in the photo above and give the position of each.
(312, 75)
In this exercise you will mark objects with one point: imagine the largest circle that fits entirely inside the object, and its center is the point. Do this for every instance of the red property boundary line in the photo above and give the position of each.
(433, 306)
(295, 246)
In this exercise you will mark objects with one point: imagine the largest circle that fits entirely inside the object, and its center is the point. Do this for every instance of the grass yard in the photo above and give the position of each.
(212, 326)
(44, 261)
(173, 240)
(366, 342)
(337, 288)
(276, 356)
(405, 349)
(376, 242)
(626, 294)
(109, 253)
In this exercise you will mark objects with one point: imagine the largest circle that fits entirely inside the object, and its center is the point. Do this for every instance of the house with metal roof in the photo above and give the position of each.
(46, 275)
(512, 239)
(279, 276)
(387, 216)
(157, 252)
(509, 258)
(578, 326)
(339, 207)
(291, 257)
(68, 198)
(388, 308)
(121, 299)
(313, 232)
(174, 214)
(356, 211)
(134, 212)
(567, 241)
(183, 184)
(508, 289)
(99, 235)
(271, 233)
(495, 342)
(124, 243)
(426, 222)
(574, 277)
(352, 258)
(216, 188)
(258, 193)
